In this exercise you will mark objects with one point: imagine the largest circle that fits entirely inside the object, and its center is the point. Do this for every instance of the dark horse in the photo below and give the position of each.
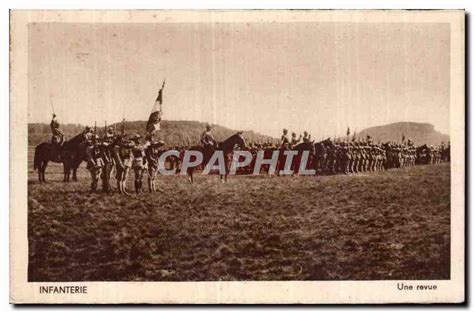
(71, 153)
(321, 154)
(296, 162)
(227, 147)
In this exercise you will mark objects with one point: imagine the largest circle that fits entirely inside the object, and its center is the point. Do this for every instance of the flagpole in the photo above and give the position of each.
(52, 104)
(161, 102)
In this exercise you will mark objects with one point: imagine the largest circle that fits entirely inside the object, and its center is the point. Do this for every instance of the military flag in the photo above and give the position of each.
(354, 136)
(403, 137)
(348, 131)
(155, 117)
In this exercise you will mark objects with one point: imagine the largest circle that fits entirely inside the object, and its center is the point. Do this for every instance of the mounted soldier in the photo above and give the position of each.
(57, 138)
(207, 139)
(294, 140)
(208, 143)
(284, 141)
(306, 137)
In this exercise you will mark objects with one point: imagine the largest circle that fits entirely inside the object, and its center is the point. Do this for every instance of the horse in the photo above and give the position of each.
(295, 164)
(227, 147)
(301, 148)
(423, 154)
(321, 153)
(44, 153)
(71, 153)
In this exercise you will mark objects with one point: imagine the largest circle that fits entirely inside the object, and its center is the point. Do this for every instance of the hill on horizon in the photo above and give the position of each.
(173, 133)
(419, 133)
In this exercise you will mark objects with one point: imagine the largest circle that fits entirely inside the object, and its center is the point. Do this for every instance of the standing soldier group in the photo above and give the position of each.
(119, 153)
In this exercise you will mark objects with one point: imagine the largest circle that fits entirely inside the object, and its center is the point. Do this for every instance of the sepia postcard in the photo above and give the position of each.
(237, 157)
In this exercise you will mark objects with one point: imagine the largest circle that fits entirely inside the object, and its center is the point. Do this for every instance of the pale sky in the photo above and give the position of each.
(320, 77)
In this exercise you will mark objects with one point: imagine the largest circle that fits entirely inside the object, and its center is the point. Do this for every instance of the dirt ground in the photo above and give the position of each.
(387, 225)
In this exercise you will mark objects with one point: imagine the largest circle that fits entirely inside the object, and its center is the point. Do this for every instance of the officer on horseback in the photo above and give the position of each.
(284, 141)
(306, 137)
(294, 139)
(207, 139)
(58, 136)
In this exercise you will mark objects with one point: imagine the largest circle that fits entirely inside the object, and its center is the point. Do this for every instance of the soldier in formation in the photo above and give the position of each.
(348, 157)
(123, 162)
(95, 160)
(139, 162)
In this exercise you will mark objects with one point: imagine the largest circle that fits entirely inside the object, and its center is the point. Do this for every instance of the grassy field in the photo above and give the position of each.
(389, 225)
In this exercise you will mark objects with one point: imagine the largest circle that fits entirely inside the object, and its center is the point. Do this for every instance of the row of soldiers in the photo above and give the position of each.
(338, 157)
(348, 157)
(352, 156)
(122, 154)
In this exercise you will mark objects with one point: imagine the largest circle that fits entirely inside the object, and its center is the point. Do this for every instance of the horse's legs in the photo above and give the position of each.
(40, 178)
(65, 170)
(43, 170)
(74, 173)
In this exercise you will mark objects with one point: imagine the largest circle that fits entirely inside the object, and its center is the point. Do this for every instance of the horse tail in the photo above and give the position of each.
(37, 157)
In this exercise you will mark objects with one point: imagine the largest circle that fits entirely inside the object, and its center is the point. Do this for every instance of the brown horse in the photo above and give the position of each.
(71, 153)
(44, 153)
(227, 147)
